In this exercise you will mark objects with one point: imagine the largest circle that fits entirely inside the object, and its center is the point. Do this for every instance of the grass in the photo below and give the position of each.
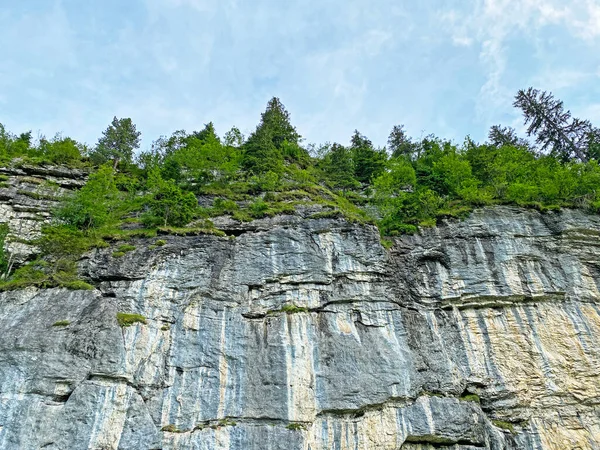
(289, 309)
(470, 398)
(504, 425)
(296, 426)
(78, 285)
(61, 323)
(190, 231)
(328, 214)
(387, 243)
(128, 319)
(160, 243)
(172, 429)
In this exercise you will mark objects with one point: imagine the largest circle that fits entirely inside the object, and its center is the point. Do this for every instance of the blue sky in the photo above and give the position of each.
(447, 67)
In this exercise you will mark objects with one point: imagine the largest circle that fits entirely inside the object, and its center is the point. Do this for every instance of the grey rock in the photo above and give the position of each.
(377, 349)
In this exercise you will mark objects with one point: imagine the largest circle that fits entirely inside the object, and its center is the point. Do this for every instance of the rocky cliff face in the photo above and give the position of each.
(307, 334)
(27, 196)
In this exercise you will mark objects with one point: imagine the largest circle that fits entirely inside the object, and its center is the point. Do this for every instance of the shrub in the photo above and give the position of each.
(128, 319)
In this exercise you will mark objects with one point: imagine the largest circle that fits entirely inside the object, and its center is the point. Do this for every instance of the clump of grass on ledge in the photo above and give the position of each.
(327, 214)
(128, 319)
(190, 231)
(172, 429)
(504, 425)
(470, 398)
(122, 249)
(61, 323)
(289, 309)
(296, 426)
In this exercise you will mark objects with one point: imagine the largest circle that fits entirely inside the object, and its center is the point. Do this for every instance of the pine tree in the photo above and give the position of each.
(500, 136)
(400, 144)
(554, 128)
(263, 150)
(368, 162)
(117, 143)
(339, 168)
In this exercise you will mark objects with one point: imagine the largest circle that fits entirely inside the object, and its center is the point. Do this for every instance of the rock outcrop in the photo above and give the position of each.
(28, 194)
(308, 334)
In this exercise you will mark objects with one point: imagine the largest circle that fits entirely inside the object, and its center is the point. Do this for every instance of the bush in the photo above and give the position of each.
(128, 319)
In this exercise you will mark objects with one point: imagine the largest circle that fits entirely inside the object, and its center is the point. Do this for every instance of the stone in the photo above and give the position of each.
(294, 333)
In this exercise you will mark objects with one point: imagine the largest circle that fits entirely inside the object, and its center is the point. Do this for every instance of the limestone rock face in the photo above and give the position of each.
(308, 334)
(27, 196)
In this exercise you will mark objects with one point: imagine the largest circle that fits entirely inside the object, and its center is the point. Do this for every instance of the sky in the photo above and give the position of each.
(446, 67)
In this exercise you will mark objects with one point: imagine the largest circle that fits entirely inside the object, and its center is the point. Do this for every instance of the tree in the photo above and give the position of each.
(554, 127)
(168, 204)
(277, 120)
(368, 162)
(208, 134)
(263, 149)
(500, 136)
(117, 143)
(400, 144)
(94, 205)
(234, 138)
(339, 169)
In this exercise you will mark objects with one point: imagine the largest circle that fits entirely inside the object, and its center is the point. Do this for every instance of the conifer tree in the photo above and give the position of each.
(368, 162)
(117, 143)
(553, 127)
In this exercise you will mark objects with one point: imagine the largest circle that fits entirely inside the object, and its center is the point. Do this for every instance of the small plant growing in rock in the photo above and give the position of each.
(126, 248)
(296, 426)
(504, 425)
(293, 309)
(227, 422)
(160, 242)
(165, 327)
(470, 398)
(128, 319)
(172, 429)
(61, 323)
(78, 285)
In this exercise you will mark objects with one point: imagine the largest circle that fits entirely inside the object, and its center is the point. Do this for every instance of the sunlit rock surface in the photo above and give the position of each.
(308, 334)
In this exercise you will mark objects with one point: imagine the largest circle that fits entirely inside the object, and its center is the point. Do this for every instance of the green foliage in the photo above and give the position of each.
(368, 162)
(296, 426)
(338, 168)
(160, 242)
(470, 398)
(61, 150)
(168, 204)
(128, 319)
(117, 143)
(61, 323)
(504, 425)
(94, 205)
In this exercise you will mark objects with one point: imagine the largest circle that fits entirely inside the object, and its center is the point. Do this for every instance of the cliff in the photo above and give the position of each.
(308, 334)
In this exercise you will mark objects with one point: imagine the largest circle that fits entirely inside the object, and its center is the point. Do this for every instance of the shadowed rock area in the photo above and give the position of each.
(308, 334)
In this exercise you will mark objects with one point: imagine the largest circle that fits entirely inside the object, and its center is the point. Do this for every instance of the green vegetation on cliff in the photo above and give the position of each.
(409, 184)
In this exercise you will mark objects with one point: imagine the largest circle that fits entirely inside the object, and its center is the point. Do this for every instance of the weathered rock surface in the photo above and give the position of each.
(380, 350)
(27, 196)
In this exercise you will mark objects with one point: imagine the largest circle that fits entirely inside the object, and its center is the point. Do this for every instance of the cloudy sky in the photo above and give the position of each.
(447, 67)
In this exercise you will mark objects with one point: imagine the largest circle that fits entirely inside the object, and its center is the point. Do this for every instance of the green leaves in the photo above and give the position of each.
(94, 205)
(168, 204)
(117, 143)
